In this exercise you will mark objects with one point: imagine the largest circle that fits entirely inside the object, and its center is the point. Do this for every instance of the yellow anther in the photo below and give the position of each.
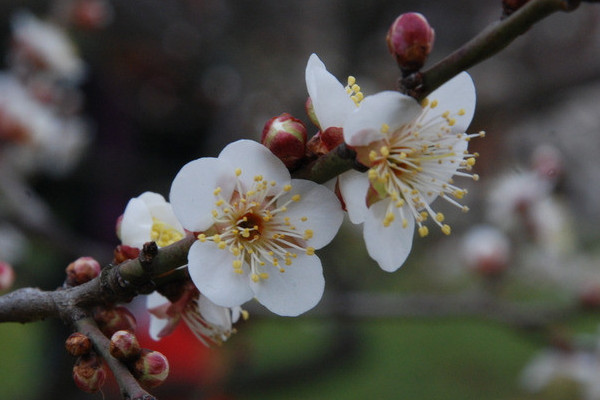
(461, 111)
(385, 128)
(275, 262)
(282, 270)
(400, 203)
(238, 171)
(245, 315)
(215, 213)
(404, 223)
(439, 217)
(288, 261)
(355, 88)
(423, 231)
(385, 151)
(372, 155)
(222, 245)
(287, 188)
(250, 193)
(217, 191)
(264, 275)
(216, 238)
(459, 194)
(424, 215)
(246, 233)
(471, 161)
(372, 174)
(235, 251)
(308, 234)
(296, 197)
(425, 102)
(433, 104)
(219, 202)
(202, 237)
(445, 114)
(310, 251)
(303, 219)
(351, 80)
(475, 177)
(388, 219)
(403, 155)
(258, 178)
(238, 271)
(255, 277)
(237, 264)
(446, 229)
(451, 121)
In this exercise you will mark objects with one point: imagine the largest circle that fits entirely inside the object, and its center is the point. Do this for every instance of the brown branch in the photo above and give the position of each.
(130, 387)
(486, 44)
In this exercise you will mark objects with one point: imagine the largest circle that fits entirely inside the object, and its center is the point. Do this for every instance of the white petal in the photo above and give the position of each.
(458, 93)
(156, 327)
(155, 299)
(294, 291)
(320, 206)
(214, 314)
(254, 159)
(363, 126)
(211, 270)
(354, 186)
(330, 101)
(192, 190)
(152, 199)
(389, 246)
(136, 224)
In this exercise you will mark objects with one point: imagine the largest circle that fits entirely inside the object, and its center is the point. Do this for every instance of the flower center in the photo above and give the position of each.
(254, 227)
(164, 234)
(415, 163)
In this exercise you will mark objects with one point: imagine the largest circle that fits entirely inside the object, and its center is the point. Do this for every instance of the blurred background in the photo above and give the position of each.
(504, 308)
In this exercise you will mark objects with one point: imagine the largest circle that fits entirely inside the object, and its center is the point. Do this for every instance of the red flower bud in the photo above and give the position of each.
(410, 40)
(151, 369)
(78, 344)
(7, 276)
(89, 373)
(124, 346)
(124, 253)
(115, 319)
(285, 136)
(82, 270)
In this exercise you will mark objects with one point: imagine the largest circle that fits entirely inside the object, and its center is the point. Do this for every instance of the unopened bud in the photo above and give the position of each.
(486, 250)
(91, 14)
(7, 276)
(124, 346)
(410, 40)
(589, 297)
(78, 344)
(89, 373)
(124, 253)
(82, 270)
(285, 136)
(325, 141)
(115, 319)
(151, 369)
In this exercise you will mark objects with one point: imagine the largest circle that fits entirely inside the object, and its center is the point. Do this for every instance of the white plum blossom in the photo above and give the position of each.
(149, 217)
(257, 229)
(412, 150)
(209, 322)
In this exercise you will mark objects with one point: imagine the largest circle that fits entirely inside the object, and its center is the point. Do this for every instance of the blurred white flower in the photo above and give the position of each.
(486, 249)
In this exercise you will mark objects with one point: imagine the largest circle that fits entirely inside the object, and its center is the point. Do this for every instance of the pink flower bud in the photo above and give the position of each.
(89, 373)
(115, 319)
(410, 40)
(285, 136)
(91, 14)
(124, 346)
(151, 369)
(78, 344)
(7, 275)
(82, 270)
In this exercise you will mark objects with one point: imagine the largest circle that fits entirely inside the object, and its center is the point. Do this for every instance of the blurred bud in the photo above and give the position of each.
(124, 346)
(124, 253)
(589, 297)
(285, 136)
(510, 6)
(115, 319)
(82, 270)
(78, 344)
(151, 369)
(547, 161)
(7, 276)
(310, 111)
(486, 250)
(89, 373)
(91, 14)
(410, 40)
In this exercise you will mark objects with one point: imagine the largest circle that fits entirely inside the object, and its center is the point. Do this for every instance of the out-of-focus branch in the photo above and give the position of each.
(130, 387)
(486, 44)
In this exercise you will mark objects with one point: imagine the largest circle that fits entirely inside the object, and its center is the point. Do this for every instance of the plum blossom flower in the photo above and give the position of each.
(258, 229)
(413, 150)
(149, 217)
(210, 323)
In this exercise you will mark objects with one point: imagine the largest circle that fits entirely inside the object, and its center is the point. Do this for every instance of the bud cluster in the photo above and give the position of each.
(82, 270)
